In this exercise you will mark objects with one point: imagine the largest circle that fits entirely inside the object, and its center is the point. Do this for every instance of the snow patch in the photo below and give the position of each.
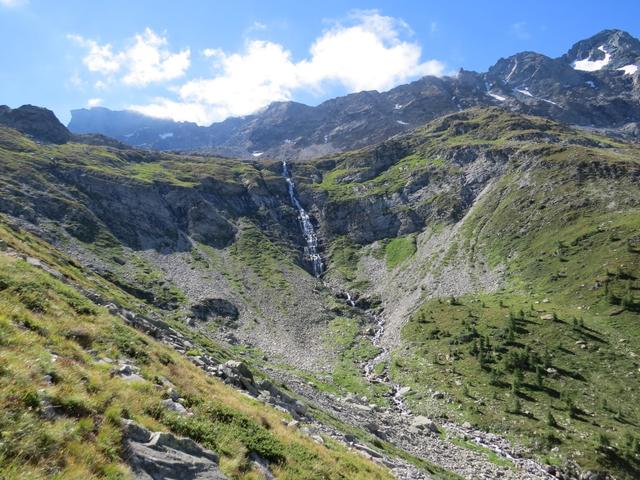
(257, 154)
(497, 97)
(587, 65)
(513, 70)
(401, 122)
(397, 106)
(629, 69)
(164, 136)
(590, 83)
(524, 92)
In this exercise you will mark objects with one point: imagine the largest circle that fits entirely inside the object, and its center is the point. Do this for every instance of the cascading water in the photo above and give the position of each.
(311, 254)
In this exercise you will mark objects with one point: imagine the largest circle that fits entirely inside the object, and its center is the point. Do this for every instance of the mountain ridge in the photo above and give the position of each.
(526, 82)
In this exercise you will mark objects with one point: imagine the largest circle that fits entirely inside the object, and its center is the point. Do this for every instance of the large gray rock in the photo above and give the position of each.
(161, 456)
(423, 423)
(215, 308)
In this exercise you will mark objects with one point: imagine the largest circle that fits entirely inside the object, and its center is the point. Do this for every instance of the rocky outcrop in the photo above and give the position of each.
(161, 455)
(215, 309)
(37, 122)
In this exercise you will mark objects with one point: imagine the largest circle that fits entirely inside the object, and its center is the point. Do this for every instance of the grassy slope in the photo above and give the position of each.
(566, 224)
(562, 346)
(39, 168)
(48, 328)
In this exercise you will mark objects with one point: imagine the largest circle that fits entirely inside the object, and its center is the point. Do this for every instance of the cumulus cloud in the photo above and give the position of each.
(146, 60)
(179, 111)
(369, 52)
(366, 56)
(94, 102)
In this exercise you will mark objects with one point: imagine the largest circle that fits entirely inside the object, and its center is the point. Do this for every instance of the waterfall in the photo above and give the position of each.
(311, 254)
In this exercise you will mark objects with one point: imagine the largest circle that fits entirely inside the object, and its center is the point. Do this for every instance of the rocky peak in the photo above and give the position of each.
(607, 50)
(528, 68)
(37, 122)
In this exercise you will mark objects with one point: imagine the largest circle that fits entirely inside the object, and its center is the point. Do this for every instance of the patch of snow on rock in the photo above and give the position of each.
(524, 92)
(497, 97)
(401, 122)
(164, 136)
(629, 69)
(257, 154)
(587, 65)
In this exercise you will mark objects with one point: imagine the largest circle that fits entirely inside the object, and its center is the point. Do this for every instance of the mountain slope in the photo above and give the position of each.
(74, 375)
(434, 241)
(509, 292)
(578, 88)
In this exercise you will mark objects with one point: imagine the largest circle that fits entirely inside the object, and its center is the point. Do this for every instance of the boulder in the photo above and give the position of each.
(299, 407)
(174, 406)
(215, 309)
(160, 455)
(128, 372)
(423, 423)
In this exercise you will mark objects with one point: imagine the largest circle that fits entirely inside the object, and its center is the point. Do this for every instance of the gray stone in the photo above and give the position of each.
(159, 455)
(239, 368)
(423, 423)
(299, 408)
(174, 406)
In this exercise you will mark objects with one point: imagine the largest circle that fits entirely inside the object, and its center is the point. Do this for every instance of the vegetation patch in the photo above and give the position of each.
(400, 249)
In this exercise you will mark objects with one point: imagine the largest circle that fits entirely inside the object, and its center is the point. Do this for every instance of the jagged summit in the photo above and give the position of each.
(37, 122)
(607, 50)
(528, 68)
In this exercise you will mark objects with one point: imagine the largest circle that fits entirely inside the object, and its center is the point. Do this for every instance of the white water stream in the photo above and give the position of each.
(311, 254)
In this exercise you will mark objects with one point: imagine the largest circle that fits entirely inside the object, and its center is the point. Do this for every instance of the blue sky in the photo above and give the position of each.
(206, 60)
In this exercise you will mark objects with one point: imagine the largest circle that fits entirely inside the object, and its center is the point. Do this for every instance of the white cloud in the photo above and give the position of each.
(94, 102)
(13, 3)
(367, 56)
(368, 53)
(145, 61)
(248, 81)
(178, 111)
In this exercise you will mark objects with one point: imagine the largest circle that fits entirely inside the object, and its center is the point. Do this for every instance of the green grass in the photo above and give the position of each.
(400, 249)
(265, 258)
(344, 256)
(505, 364)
